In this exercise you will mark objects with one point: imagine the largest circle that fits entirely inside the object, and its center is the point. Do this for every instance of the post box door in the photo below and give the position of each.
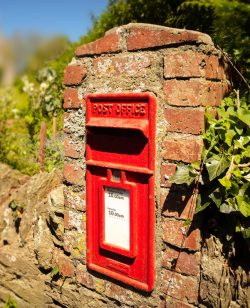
(120, 159)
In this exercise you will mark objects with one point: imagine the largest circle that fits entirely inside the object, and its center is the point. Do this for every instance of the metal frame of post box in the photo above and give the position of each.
(101, 256)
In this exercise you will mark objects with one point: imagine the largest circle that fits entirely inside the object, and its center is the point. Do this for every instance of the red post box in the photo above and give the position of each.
(120, 159)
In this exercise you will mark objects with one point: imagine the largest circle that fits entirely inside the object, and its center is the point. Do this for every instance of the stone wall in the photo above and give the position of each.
(186, 73)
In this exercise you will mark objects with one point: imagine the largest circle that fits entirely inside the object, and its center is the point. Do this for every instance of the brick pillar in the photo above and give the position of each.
(186, 73)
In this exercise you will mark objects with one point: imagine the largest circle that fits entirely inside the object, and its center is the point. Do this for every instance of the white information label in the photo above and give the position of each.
(117, 217)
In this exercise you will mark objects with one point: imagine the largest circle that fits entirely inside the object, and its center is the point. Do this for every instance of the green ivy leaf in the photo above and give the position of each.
(238, 130)
(246, 153)
(187, 222)
(236, 172)
(216, 197)
(225, 182)
(226, 208)
(244, 116)
(54, 271)
(234, 188)
(237, 159)
(247, 177)
(229, 136)
(244, 205)
(184, 175)
(246, 233)
(238, 227)
(196, 165)
(243, 190)
(13, 205)
(200, 207)
(216, 166)
(29, 119)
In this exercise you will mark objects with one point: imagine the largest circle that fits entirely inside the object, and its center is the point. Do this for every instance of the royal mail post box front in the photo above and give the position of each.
(120, 159)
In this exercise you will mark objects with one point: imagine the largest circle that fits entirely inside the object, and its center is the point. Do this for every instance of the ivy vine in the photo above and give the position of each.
(222, 177)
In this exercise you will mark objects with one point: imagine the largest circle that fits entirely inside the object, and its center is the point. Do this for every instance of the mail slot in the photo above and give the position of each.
(120, 160)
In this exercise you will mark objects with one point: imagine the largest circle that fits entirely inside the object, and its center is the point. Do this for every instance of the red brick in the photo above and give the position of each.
(180, 287)
(174, 233)
(167, 171)
(180, 149)
(182, 120)
(73, 149)
(178, 204)
(73, 174)
(73, 220)
(83, 277)
(74, 75)
(66, 267)
(66, 220)
(64, 264)
(141, 36)
(120, 65)
(106, 44)
(194, 92)
(182, 262)
(187, 63)
(71, 100)
(74, 200)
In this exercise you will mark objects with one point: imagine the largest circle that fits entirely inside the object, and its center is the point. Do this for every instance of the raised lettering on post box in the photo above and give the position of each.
(120, 159)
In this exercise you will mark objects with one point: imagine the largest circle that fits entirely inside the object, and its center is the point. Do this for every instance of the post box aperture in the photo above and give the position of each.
(120, 159)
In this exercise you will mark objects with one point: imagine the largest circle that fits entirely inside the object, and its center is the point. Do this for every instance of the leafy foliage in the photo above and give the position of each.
(224, 175)
(55, 271)
(11, 303)
(17, 149)
(23, 109)
(54, 153)
(35, 96)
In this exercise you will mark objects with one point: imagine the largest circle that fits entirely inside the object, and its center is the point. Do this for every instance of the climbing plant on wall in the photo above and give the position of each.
(223, 175)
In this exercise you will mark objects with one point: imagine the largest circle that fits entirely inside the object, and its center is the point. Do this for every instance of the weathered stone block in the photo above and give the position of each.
(84, 277)
(74, 200)
(64, 264)
(74, 220)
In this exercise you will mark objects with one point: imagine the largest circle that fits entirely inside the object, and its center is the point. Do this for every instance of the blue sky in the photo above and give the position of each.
(45, 17)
